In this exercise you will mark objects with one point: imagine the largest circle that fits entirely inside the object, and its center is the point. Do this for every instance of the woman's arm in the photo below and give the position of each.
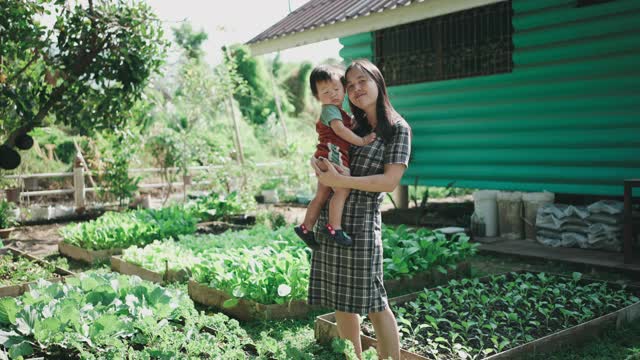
(385, 182)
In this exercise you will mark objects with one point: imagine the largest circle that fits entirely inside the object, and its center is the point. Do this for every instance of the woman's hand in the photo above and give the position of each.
(326, 173)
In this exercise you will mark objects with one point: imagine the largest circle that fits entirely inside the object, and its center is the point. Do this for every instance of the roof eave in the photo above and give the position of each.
(374, 21)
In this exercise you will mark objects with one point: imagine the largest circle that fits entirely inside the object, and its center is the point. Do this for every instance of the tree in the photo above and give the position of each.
(87, 70)
(258, 103)
(190, 41)
(298, 88)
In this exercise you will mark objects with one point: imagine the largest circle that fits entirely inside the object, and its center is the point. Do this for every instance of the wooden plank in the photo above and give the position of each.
(127, 268)
(247, 310)
(325, 328)
(84, 255)
(427, 278)
(526, 248)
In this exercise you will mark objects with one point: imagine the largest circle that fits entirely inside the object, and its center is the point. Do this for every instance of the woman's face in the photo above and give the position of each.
(362, 90)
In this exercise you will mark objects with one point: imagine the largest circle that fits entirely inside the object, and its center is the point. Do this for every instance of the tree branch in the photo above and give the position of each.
(16, 75)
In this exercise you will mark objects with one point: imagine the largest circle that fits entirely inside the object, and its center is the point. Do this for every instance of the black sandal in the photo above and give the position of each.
(307, 236)
(339, 236)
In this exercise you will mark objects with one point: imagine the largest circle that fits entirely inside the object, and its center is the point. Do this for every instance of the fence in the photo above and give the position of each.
(80, 189)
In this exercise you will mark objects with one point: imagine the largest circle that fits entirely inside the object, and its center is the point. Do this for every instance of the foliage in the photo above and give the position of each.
(116, 177)
(258, 103)
(111, 316)
(411, 251)
(19, 270)
(298, 89)
(121, 230)
(189, 40)
(260, 274)
(87, 70)
(473, 319)
(191, 249)
(216, 207)
(6, 218)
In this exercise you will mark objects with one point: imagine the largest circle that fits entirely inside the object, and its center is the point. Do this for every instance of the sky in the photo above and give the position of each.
(238, 21)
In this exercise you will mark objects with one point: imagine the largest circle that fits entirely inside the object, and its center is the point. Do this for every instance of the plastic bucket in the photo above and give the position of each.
(510, 215)
(486, 210)
(532, 202)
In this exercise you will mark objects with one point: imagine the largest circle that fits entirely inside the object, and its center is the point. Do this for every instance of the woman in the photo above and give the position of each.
(350, 280)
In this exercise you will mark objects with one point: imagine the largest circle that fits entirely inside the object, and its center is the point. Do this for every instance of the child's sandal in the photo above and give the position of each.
(307, 236)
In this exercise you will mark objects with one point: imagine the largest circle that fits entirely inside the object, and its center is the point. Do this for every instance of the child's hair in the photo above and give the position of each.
(325, 73)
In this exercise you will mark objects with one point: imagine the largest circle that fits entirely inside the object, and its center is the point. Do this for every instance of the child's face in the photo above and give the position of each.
(330, 92)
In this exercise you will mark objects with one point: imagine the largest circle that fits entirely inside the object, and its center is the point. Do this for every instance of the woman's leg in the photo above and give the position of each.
(386, 328)
(349, 329)
(336, 205)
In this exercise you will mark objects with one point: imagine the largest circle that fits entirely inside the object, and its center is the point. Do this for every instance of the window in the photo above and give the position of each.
(469, 43)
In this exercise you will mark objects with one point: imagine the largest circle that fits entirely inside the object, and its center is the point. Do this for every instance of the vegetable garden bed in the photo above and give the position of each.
(116, 317)
(247, 310)
(506, 316)
(84, 255)
(18, 270)
(109, 234)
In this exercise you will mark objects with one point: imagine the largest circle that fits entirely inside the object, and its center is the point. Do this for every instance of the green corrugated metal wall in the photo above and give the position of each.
(567, 119)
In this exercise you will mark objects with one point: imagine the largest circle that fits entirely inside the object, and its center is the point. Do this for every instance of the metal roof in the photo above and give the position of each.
(318, 13)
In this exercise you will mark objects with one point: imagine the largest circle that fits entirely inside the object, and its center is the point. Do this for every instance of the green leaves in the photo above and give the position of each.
(8, 311)
(121, 230)
(410, 251)
(480, 318)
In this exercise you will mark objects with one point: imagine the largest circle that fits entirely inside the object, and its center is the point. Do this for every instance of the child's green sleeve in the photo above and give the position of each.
(330, 112)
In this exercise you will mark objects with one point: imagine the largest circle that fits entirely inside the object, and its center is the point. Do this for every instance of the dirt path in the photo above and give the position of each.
(39, 240)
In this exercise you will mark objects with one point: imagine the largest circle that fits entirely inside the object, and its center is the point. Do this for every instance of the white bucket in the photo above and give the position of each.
(510, 215)
(486, 209)
(532, 202)
(270, 196)
(39, 212)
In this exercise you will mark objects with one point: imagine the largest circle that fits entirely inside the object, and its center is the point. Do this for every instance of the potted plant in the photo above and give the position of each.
(11, 189)
(7, 221)
(270, 192)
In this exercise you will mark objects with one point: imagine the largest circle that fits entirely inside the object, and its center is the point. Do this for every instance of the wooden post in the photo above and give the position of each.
(401, 196)
(78, 184)
(629, 184)
(278, 106)
(236, 131)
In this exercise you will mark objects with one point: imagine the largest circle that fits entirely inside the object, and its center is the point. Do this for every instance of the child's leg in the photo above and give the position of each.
(315, 206)
(336, 205)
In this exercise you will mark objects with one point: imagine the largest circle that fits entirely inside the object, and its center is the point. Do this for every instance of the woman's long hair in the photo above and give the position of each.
(387, 115)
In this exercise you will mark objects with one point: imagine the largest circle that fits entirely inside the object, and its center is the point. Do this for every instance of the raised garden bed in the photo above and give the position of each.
(24, 270)
(104, 236)
(247, 310)
(127, 268)
(543, 326)
(84, 255)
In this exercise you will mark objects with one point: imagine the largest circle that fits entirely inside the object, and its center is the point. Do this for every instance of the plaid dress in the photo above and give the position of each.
(350, 279)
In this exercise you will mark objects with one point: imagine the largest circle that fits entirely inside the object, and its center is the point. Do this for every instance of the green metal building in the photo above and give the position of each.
(525, 95)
